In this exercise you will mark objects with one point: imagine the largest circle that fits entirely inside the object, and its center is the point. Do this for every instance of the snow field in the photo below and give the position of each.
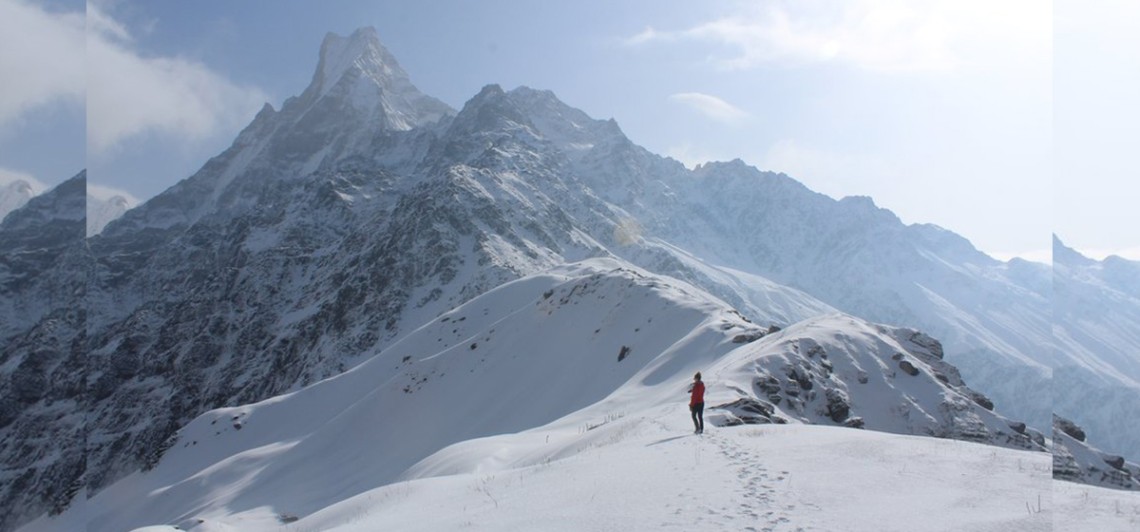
(1085, 507)
(648, 472)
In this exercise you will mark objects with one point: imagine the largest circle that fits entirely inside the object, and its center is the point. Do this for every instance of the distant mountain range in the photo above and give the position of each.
(1097, 329)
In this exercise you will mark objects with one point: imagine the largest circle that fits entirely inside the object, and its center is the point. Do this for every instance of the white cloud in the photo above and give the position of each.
(880, 35)
(41, 58)
(100, 23)
(129, 94)
(647, 35)
(8, 177)
(14, 199)
(52, 57)
(711, 106)
(105, 193)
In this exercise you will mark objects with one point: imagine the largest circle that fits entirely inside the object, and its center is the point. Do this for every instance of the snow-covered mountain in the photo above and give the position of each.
(336, 227)
(590, 344)
(292, 254)
(44, 268)
(994, 317)
(1096, 381)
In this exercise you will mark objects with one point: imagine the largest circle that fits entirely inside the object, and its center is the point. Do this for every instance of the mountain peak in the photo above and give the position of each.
(1068, 256)
(361, 51)
(364, 78)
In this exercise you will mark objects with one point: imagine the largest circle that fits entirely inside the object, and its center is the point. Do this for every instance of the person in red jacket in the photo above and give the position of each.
(697, 403)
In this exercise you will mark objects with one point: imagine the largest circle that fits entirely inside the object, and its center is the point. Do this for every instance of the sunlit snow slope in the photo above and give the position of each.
(548, 367)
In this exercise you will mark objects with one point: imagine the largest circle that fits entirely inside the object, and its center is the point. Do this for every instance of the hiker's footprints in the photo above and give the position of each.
(757, 487)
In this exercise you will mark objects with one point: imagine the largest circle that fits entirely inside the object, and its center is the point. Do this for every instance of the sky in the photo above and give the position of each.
(945, 112)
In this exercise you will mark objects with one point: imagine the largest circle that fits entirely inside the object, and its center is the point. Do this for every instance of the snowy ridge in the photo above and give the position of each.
(842, 370)
(585, 344)
(531, 351)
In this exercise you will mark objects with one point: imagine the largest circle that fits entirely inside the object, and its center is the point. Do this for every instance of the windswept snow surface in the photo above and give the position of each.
(1084, 507)
(558, 402)
(645, 473)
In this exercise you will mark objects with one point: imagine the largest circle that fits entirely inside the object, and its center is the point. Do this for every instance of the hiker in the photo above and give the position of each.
(697, 403)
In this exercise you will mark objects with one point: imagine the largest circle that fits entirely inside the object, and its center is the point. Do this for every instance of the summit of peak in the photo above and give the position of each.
(358, 77)
(1065, 255)
(361, 51)
(490, 90)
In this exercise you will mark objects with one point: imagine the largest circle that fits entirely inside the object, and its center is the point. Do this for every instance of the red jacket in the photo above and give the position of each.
(698, 393)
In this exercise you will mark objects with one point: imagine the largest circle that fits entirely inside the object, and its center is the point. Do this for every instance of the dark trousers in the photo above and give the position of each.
(698, 411)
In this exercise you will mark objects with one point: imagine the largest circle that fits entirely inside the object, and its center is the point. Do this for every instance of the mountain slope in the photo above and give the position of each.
(44, 271)
(1097, 328)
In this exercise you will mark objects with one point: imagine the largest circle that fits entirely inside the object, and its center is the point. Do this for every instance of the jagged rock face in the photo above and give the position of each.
(1075, 460)
(44, 267)
(839, 370)
(35, 236)
(295, 279)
